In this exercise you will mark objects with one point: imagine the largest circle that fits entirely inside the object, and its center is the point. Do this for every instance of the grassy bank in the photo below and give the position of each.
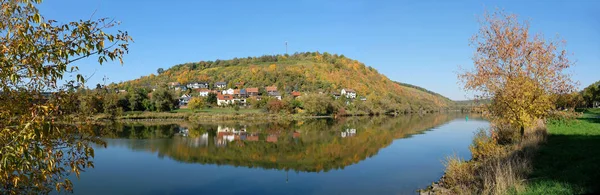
(556, 157)
(569, 162)
(211, 114)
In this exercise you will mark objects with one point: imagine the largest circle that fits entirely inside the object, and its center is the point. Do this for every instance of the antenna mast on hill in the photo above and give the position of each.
(286, 51)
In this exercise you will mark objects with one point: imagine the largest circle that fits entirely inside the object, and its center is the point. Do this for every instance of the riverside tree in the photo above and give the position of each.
(517, 70)
(37, 148)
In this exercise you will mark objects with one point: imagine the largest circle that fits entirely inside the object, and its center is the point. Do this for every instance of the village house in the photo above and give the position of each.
(349, 93)
(295, 94)
(229, 91)
(177, 86)
(336, 95)
(197, 85)
(252, 92)
(363, 98)
(204, 92)
(275, 94)
(220, 85)
(223, 100)
(271, 89)
(184, 99)
(240, 93)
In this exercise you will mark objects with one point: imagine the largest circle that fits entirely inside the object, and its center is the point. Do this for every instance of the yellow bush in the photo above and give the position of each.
(485, 146)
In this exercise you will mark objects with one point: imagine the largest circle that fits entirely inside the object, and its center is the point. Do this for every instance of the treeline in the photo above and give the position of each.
(587, 98)
(316, 104)
(298, 56)
(102, 100)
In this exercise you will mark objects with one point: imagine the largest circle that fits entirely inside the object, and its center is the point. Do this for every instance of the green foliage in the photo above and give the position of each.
(317, 104)
(591, 94)
(211, 99)
(197, 103)
(38, 149)
(164, 100)
(136, 99)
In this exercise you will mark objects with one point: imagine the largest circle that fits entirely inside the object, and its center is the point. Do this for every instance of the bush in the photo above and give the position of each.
(197, 103)
(459, 174)
(274, 106)
(485, 146)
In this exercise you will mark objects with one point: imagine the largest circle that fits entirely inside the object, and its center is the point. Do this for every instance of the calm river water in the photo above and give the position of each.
(382, 155)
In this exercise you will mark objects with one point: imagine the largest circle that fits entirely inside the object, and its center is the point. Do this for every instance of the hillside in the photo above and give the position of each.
(304, 72)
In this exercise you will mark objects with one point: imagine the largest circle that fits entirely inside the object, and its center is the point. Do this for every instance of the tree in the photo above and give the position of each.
(275, 105)
(196, 103)
(36, 151)
(136, 99)
(317, 104)
(516, 70)
(591, 94)
(164, 100)
(160, 70)
(211, 99)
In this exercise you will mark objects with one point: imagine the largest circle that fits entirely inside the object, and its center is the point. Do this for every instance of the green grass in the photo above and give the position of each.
(569, 162)
(219, 111)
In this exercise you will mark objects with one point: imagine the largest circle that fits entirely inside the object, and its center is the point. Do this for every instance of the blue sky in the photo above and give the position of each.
(416, 42)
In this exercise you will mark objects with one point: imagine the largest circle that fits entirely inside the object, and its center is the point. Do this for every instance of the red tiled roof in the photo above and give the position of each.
(224, 97)
(350, 90)
(252, 90)
(271, 88)
(295, 93)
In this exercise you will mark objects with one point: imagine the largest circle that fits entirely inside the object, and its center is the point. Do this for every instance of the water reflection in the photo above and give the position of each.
(306, 146)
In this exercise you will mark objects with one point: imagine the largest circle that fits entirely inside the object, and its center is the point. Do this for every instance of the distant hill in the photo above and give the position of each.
(304, 72)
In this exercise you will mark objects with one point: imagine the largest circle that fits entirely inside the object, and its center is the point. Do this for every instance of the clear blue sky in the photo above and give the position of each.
(416, 42)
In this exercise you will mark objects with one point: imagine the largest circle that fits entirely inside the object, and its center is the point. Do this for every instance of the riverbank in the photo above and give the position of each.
(569, 161)
(557, 157)
(225, 114)
(214, 114)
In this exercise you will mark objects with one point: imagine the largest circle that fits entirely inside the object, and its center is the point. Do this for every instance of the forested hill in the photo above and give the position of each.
(307, 72)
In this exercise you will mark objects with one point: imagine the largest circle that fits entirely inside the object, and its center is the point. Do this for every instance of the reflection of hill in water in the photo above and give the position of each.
(312, 146)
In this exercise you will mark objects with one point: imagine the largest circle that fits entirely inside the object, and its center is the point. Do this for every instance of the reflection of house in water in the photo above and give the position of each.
(349, 133)
(228, 134)
(183, 131)
(272, 138)
(252, 137)
(200, 141)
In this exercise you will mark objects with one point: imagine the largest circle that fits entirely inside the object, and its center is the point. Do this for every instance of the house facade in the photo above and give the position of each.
(197, 85)
(220, 85)
(229, 91)
(252, 92)
(204, 92)
(184, 99)
(271, 89)
(275, 94)
(223, 100)
(349, 93)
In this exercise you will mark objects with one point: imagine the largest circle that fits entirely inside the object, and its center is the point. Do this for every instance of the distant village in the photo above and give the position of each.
(240, 95)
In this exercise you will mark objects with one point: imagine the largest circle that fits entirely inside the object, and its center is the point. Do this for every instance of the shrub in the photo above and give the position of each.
(459, 174)
(274, 106)
(197, 103)
(484, 146)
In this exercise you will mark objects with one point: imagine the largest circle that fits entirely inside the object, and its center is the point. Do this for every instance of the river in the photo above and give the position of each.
(357, 155)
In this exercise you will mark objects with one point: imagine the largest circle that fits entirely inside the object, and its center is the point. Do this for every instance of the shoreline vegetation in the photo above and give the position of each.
(536, 143)
(225, 114)
(541, 164)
